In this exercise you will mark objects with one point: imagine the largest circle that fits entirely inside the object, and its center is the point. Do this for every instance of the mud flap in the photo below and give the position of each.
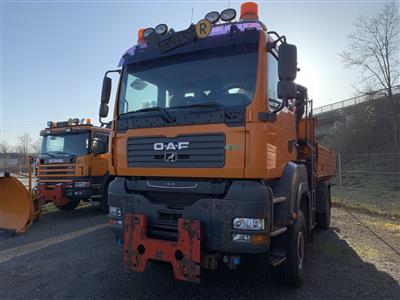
(183, 255)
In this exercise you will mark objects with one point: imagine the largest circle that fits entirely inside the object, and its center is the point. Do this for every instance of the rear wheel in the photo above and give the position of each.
(291, 270)
(69, 206)
(323, 219)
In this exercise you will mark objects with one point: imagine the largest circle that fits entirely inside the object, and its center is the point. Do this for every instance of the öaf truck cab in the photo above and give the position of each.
(213, 150)
(73, 164)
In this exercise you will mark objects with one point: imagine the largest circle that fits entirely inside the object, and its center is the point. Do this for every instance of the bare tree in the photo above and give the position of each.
(36, 147)
(374, 51)
(23, 148)
(4, 149)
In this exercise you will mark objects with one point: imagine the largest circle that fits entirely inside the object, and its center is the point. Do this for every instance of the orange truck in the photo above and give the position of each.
(73, 164)
(213, 150)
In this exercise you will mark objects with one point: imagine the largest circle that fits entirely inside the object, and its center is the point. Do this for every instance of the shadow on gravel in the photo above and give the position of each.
(90, 267)
(334, 270)
(56, 223)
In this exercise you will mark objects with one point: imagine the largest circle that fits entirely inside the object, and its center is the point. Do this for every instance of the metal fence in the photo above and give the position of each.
(13, 164)
(370, 181)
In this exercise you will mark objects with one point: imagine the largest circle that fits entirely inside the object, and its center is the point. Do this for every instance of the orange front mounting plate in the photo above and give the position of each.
(183, 255)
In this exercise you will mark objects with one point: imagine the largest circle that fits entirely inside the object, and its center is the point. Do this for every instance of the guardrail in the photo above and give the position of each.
(353, 101)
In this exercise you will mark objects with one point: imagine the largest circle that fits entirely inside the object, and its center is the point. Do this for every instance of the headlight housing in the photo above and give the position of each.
(248, 223)
(114, 211)
(82, 184)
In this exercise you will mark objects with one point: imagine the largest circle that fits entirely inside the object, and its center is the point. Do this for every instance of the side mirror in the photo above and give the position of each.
(99, 147)
(106, 90)
(287, 89)
(287, 65)
(103, 111)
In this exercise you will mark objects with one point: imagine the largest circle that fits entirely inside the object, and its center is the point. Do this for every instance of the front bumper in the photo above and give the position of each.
(242, 199)
(61, 193)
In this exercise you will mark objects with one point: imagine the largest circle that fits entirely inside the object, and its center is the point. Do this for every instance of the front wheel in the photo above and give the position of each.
(69, 206)
(104, 201)
(291, 270)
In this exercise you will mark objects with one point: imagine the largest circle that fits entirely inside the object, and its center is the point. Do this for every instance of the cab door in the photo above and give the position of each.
(99, 162)
(281, 134)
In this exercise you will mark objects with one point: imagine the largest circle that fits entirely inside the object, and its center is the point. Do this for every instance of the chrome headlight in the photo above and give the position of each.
(114, 211)
(248, 224)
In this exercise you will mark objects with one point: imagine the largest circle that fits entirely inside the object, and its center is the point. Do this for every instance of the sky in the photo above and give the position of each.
(54, 53)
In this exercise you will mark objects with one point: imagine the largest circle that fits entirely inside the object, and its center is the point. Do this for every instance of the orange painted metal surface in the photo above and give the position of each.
(326, 162)
(54, 194)
(19, 206)
(184, 255)
(262, 150)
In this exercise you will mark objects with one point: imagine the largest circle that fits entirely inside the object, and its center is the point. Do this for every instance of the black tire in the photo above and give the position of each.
(69, 206)
(323, 220)
(291, 270)
(104, 200)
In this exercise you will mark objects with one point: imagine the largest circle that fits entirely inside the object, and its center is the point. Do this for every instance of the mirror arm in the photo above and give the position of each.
(102, 124)
(113, 71)
(272, 45)
(281, 106)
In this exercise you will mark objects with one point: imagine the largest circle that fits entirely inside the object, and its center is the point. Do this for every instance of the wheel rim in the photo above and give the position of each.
(300, 249)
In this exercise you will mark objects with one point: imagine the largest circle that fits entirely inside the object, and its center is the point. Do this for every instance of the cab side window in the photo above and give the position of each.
(103, 136)
(272, 77)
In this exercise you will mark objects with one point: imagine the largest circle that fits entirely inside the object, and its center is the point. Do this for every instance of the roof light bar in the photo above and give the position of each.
(228, 15)
(161, 29)
(147, 32)
(212, 17)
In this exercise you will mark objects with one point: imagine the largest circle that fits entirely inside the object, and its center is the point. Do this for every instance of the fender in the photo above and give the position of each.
(303, 190)
(293, 184)
(107, 178)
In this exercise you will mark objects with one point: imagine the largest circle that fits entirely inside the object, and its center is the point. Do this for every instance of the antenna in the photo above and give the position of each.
(191, 20)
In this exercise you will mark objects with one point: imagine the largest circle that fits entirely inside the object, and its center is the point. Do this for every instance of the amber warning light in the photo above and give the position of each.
(249, 11)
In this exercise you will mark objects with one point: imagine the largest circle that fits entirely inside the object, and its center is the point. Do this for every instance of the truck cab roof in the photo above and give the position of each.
(173, 43)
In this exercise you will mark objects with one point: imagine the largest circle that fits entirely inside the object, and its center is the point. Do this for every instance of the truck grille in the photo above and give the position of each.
(56, 173)
(198, 151)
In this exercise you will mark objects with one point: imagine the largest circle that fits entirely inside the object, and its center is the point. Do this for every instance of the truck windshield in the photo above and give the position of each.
(226, 76)
(65, 144)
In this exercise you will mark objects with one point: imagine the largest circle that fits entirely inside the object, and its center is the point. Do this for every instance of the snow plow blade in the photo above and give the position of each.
(18, 207)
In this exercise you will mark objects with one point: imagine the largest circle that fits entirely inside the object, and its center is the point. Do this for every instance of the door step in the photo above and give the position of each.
(277, 231)
(277, 200)
(276, 260)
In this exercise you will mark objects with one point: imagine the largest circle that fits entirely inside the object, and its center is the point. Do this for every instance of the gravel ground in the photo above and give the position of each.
(345, 262)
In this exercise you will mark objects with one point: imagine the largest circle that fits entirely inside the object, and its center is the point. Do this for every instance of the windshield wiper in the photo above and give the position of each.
(162, 110)
(228, 114)
(45, 153)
